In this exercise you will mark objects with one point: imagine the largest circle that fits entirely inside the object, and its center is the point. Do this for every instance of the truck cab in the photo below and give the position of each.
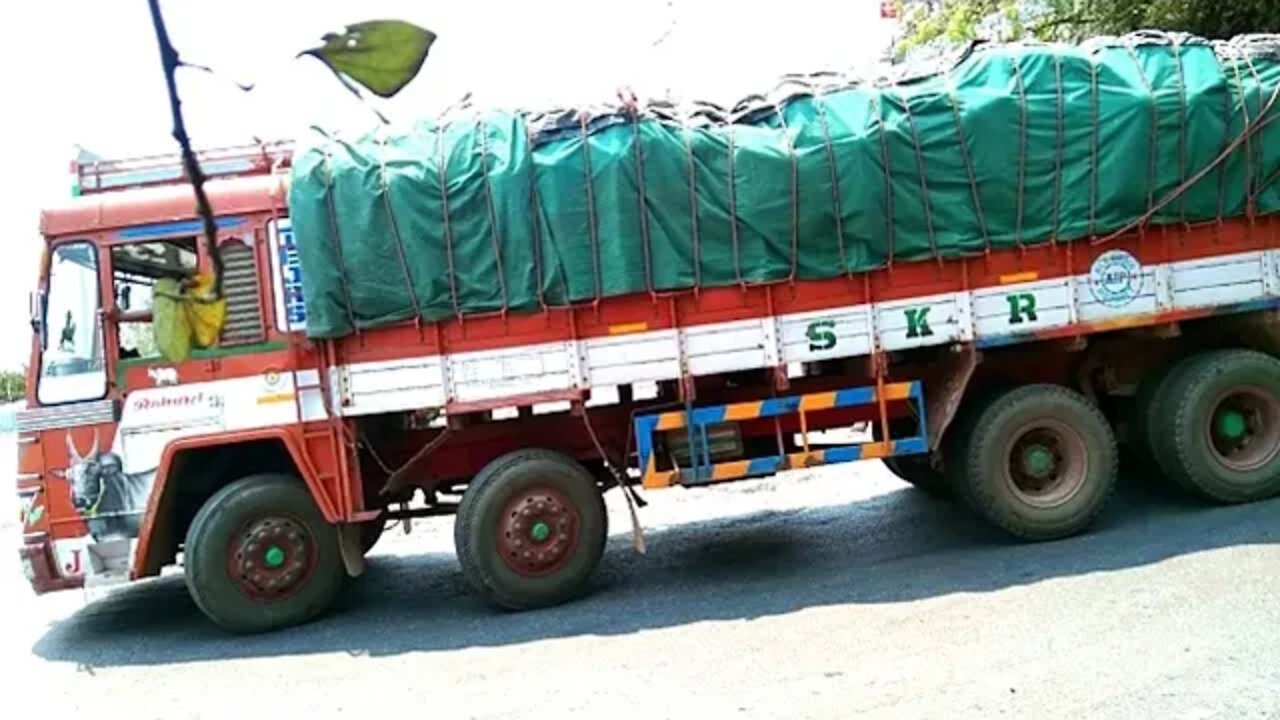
(104, 405)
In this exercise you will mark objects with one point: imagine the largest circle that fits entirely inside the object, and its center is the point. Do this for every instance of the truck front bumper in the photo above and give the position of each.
(39, 565)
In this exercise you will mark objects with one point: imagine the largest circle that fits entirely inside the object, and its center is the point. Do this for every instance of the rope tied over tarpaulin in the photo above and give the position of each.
(828, 176)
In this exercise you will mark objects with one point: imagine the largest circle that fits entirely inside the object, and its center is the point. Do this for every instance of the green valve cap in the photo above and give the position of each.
(1038, 461)
(1231, 424)
(274, 557)
(540, 531)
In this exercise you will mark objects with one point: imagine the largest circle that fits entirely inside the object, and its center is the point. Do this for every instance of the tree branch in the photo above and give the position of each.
(171, 62)
(1053, 23)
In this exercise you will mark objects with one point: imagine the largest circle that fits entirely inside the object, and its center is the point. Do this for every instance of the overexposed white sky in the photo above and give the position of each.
(86, 72)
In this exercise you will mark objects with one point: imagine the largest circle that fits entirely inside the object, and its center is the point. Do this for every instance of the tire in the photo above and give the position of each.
(1226, 464)
(1055, 433)
(1135, 459)
(276, 508)
(916, 470)
(962, 428)
(1150, 405)
(496, 548)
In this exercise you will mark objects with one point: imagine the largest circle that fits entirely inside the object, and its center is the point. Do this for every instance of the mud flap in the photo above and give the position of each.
(945, 389)
(352, 549)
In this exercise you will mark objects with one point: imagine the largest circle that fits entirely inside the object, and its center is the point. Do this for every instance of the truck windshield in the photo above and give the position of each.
(71, 367)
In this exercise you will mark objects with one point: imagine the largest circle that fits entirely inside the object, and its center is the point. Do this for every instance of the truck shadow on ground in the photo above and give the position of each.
(897, 547)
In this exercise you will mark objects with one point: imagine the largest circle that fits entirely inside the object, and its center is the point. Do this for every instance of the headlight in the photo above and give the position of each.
(29, 569)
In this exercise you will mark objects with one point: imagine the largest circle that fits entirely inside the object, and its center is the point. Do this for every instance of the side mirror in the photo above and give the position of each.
(38, 303)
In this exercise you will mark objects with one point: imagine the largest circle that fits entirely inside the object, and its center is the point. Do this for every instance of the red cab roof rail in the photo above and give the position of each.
(97, 176)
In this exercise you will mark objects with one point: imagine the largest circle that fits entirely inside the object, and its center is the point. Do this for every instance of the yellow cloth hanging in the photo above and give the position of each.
(186, 317)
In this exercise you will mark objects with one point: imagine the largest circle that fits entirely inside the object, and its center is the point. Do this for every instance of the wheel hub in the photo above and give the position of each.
(1038, 461)
(1046, 463)
(272, 558)
(1244, 428)
(1230, 424)
(538, 532)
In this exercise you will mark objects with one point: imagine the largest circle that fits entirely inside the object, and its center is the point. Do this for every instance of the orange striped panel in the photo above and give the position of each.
(659, 480)
(818, 401)
(743, 411)
(897, 391)
(654, 479)
(806, 459)
(730, 470)
(670, 421)
(877, 450)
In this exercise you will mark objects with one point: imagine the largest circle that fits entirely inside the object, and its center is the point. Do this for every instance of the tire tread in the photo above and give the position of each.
(979, 431)
(474, 571)
(1177, 458)
(204, 588)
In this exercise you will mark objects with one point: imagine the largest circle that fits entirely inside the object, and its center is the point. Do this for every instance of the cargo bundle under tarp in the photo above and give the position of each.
(1011, 145)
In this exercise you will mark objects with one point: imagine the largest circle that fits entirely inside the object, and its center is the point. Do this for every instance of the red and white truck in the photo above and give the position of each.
(269, 464)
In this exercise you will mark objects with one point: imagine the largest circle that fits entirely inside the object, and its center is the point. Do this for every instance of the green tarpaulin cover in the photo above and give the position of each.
(1009, 144)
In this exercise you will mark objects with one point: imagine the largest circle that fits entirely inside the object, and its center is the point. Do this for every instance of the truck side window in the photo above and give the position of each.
(71, 367)
(135, 269)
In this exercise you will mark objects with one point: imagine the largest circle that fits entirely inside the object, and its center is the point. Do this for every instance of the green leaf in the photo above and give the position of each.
(381, 55)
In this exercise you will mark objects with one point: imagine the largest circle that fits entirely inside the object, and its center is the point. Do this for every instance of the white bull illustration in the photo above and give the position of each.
(110, 500)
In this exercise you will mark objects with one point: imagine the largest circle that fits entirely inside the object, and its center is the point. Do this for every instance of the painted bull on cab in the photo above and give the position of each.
(110, 500)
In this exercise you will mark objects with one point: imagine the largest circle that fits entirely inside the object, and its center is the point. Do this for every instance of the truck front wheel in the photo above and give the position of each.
(530, 529)
(259, 556)
(1039, 461)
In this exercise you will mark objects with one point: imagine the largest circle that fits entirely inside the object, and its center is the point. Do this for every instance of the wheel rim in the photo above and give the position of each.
(1243, 428)
(271, 558)
(539, 531)
(1046, 463)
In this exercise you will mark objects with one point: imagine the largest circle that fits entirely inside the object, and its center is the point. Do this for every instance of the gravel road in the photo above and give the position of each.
(827, 594)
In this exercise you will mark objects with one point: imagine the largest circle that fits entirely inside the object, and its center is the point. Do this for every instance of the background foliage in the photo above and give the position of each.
(934, 26)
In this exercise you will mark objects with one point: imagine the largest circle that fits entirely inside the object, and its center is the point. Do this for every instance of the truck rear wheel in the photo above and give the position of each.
(916, 470)
(1217, 431)
(1039, 461)
(259, 556)
(1149, 406)
(530, 529)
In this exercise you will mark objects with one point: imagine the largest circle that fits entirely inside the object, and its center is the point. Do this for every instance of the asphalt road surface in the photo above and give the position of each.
(834, 594)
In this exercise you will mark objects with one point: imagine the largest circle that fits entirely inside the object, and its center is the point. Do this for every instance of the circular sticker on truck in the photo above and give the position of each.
(1115, 278)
